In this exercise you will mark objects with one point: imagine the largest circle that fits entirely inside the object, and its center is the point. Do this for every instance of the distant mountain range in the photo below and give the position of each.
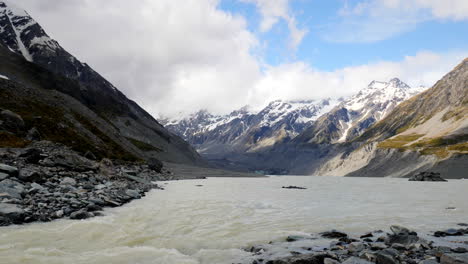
(93, 113)
(246, 131)
(308, 121)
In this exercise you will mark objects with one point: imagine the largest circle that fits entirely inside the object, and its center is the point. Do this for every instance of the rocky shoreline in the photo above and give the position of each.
(400, 246)
(48, 181)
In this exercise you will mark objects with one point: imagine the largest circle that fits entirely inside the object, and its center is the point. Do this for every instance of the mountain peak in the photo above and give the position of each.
(398, 83)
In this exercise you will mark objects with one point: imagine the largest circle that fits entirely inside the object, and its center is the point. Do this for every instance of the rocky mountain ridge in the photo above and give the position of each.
(247, 131)
(359, 112)
(121, 120)
(427, 132)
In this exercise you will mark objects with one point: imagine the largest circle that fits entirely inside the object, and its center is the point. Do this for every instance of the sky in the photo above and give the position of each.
(175, 57)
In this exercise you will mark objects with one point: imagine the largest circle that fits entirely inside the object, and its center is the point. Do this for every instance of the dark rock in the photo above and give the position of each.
(459, 250)
(401, 235)
(330, 261)
(137, 179)
(378, 246)
(454, 258)
(356, 260)
(10, 188)
(333, 234)
(462, 224)
(33, 135)
(32, 155)
(301, 259)
(29, 175)
(356, 247)
(427, 176)
(398, 246)
(10, 170)
(12, 212)
(89, 155)
(11, 122)
(78, 215)
(93, 208)
(449, 232)
(383, 257)
(71, 161)
(294, 238)
(155, 165)
(367, 235)
(347, 240)
(369, 256)
(4, 221)
(294, 187)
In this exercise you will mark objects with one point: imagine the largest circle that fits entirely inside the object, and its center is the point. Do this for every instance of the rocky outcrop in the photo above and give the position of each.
(402, 245)
(58, 182)
(427, 176)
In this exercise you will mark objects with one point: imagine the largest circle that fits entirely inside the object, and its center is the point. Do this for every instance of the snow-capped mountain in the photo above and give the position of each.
(429, 132)
(46, 62)
(244, 130)
(22, 34)
(356, 114)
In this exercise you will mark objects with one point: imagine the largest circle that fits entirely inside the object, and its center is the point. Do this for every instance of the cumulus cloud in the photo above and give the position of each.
(179, 58)
(363, 22)
(272, 12)
(301, 81)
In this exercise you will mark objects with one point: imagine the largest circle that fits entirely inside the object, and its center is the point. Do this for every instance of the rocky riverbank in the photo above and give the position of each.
(401, 246)
(47, 181)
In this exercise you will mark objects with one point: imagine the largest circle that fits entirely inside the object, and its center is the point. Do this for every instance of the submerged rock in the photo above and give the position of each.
(451, 232)
(401, 235)
(333, 234)
(428, 176)
(294, 187)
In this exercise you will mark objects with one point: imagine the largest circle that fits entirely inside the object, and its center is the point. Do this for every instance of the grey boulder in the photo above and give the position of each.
(454, 258)
(10, 170)
(356, 260)
(12, 212)
(11, 189)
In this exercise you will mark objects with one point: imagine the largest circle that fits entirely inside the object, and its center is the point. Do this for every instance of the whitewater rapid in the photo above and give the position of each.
(186, 223)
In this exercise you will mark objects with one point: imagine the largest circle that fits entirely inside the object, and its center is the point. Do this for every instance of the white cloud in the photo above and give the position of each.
(274, 10)
(301, 81)
(173, 58)
(376, 20)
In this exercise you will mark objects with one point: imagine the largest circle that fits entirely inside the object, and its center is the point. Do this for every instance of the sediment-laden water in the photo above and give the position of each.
(187, 223)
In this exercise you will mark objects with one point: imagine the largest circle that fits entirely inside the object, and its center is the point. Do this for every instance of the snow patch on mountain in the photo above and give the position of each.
(279, 120)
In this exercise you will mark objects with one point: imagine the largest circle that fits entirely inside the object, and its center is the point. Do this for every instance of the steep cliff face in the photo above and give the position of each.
(427, 132)
(21, 34)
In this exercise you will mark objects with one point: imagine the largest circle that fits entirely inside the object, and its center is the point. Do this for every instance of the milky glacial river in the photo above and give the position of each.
(211, 224)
